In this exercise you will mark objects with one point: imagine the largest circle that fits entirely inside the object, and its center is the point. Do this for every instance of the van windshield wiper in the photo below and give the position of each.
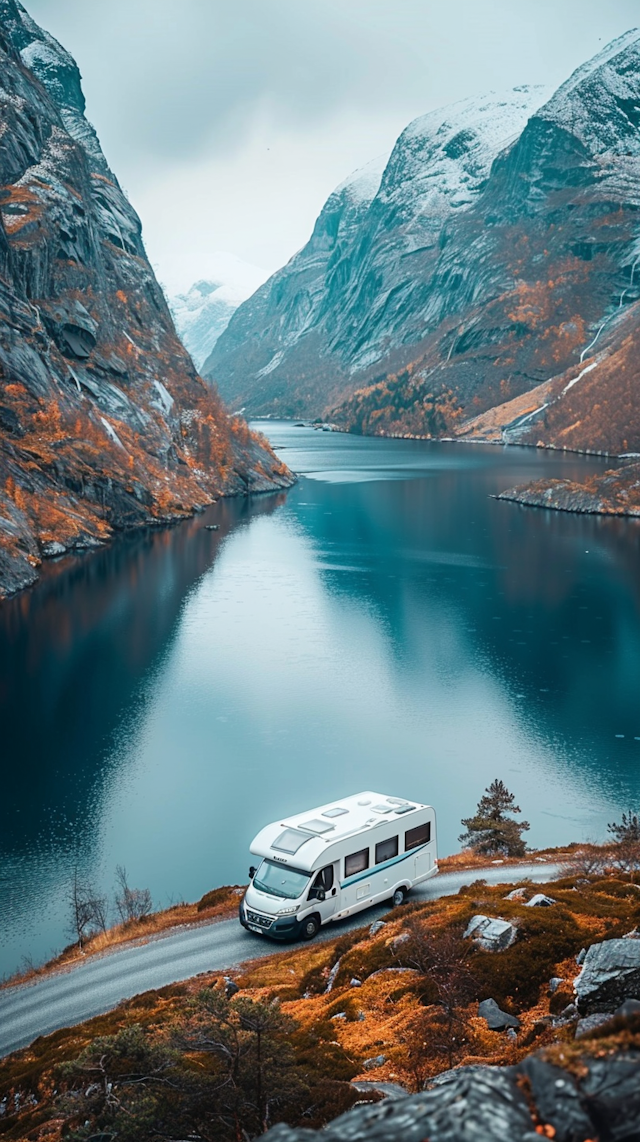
(269, 891)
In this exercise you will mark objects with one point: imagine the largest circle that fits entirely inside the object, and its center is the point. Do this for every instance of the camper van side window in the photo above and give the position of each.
(385, 850)
(421, 835)
(357, 862)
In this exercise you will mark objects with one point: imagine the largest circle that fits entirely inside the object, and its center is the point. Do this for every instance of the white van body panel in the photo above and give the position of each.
(369, 845)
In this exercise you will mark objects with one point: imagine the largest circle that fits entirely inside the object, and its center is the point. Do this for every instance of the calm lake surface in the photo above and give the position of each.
(385, 625)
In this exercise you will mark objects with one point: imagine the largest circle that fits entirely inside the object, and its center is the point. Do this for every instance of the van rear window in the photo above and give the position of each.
(357, 862)
(385, 850)
(421, 835)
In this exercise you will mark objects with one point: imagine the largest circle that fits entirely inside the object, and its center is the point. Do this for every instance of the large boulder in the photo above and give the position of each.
(487, 1104)
(494, 935)
(610, 974)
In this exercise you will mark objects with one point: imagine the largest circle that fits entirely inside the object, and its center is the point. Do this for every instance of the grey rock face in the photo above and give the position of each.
(485, 1104)
(360, 285)
(557, 1099)
(610, 974)
(496, 1019)
(104, 424)
(494, 935)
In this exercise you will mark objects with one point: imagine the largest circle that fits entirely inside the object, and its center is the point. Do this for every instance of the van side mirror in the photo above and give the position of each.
(252, 871)
(321, 894)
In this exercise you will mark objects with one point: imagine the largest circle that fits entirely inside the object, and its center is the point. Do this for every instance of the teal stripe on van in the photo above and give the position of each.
(381, 867)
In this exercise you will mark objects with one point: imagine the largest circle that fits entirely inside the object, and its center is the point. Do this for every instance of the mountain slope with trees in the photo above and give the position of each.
(104, 423)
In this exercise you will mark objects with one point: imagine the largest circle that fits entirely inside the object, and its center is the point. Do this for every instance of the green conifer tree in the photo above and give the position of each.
(491, 832)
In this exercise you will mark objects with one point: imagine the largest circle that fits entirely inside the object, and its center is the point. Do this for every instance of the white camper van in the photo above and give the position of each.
(330, 862)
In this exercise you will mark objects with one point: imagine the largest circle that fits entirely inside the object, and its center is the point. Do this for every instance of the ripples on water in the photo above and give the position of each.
(385, 624)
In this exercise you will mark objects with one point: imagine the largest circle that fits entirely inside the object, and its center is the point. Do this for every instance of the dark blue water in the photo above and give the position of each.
(385, 624)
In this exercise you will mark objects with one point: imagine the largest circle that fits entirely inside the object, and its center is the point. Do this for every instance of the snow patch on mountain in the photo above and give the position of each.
(204, 312)
(441, 160)
(598, 103)
(363, 185)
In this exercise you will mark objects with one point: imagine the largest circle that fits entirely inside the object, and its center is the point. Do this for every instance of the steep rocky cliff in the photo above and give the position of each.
(492, 286)
(104, 423)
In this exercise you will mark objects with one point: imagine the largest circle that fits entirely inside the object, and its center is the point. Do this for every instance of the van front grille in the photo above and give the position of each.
(262, 921)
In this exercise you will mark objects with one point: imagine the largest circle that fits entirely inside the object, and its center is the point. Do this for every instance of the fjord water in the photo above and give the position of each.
(385, 624)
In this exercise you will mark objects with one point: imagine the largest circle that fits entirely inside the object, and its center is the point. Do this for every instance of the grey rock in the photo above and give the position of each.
(389, 1090)
(53, 548)
(486, 1104)
(629, 1009)
(376, 1061)
(591, 1023)
(557, 1099)
(494, 935)
(540, 901)
(230, 987)
(474, 1105)
(610, 974)
(355, 982)
(568, 1015)
(496, 1019)
(611, 1090)
(580, 956)
(554, 983)
(516, 894)
(340, 1015)
(331, 979)
(376, 927)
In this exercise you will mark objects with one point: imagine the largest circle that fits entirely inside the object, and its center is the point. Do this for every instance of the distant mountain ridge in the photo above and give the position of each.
(489, 289)
(104, 423)
(204, 312)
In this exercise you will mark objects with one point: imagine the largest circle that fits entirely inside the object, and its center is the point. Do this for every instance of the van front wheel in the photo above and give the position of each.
(310, 927)
(398, 897)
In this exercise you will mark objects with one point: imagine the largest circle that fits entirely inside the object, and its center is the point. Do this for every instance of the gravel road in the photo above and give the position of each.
(70, 996)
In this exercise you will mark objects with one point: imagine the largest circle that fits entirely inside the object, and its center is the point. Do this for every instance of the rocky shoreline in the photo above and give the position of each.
(613, 493)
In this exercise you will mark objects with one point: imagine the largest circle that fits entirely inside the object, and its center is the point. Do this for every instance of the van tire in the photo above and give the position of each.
(310, 927)
(398, 897)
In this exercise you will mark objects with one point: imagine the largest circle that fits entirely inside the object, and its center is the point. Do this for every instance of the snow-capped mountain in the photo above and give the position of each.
(490, 288)
(204, 312)
(347, 296)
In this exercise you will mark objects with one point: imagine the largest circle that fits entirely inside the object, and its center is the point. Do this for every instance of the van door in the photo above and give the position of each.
(324, 881)
(422, 864)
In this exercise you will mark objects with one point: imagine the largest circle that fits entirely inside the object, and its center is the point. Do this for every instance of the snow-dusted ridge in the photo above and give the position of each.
(205, 310)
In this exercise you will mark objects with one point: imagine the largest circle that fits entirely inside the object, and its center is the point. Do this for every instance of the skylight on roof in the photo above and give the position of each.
(290, 841)
(337, 812)
(316, 826)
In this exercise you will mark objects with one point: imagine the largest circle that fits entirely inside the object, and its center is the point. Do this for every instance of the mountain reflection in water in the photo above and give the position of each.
(386, 625)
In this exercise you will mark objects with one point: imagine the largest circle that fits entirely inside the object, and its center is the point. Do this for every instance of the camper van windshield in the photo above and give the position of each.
(278, 880)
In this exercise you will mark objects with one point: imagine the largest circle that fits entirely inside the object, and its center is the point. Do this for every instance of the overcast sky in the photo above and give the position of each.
(228, 122)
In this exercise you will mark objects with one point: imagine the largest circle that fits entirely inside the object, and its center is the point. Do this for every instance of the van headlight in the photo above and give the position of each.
(288, 911)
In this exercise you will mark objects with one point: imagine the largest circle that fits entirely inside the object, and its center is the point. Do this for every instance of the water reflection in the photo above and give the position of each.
(387, 624)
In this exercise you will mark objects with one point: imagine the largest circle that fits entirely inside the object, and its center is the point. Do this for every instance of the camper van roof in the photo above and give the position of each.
(302, 839)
